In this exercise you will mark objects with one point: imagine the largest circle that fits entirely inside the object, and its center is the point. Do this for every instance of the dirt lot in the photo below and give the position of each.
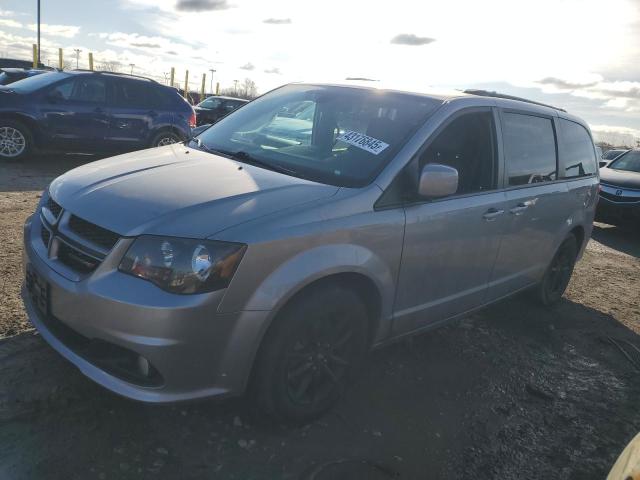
(514, 392)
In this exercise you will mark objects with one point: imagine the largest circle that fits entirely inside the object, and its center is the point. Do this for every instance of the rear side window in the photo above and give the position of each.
(136, 94)
(578, 156)
(530, 149)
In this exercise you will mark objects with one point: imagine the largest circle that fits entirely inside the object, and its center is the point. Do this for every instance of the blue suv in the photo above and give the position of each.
(90, 112)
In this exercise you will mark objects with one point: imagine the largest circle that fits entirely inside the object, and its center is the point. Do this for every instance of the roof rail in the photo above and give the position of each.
(105, 72)
(488, 93)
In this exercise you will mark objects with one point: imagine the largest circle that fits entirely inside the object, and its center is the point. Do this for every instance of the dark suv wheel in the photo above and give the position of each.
(310, 354)
(165, 137)
(559, 272)
(15, 140)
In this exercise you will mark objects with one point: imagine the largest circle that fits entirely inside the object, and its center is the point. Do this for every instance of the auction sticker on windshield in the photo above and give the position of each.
(370, 144)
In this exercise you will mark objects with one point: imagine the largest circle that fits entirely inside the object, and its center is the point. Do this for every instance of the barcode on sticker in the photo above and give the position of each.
(370, 144)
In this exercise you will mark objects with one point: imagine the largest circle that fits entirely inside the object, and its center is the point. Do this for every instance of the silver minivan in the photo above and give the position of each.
(272, 252)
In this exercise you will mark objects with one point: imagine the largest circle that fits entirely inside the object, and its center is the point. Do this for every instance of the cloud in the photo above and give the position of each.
(145, 45)
(277, 21)
(273, 70)
(411, 39)
(66, 31)
(201, 5)
(248, 66)
(565, 84)
(9, 23)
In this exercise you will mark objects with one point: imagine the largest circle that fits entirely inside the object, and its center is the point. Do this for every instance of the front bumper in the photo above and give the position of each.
(193, 351)
(612, 212)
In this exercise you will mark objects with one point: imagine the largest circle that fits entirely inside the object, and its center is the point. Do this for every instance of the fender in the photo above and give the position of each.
(320, 262)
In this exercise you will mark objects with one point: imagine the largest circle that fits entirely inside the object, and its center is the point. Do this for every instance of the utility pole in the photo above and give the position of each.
(38, 33)
(212, 72)
(132, 65)
(235, 87)
(77, 50)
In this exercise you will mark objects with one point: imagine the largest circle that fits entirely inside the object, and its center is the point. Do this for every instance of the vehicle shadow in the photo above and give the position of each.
(36, 172)
(625, 239)
(514, 391)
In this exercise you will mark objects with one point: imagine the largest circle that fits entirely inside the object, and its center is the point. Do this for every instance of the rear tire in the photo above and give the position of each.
(559, 272)
(16, 141)
(166, 137)
(311, 353)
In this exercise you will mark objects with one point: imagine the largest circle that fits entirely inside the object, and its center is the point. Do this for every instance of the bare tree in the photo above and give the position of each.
(247, 89)
(110, 66)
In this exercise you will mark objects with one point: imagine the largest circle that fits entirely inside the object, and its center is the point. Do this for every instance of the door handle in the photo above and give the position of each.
(519, 209)
(491, 214)
(152, 113)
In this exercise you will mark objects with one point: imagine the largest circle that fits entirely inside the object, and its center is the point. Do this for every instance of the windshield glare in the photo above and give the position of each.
(630, 161)
(337, 135)
(36, 82)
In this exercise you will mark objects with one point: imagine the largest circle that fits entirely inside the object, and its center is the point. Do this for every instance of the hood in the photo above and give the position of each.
(178, 191)
(620, 178)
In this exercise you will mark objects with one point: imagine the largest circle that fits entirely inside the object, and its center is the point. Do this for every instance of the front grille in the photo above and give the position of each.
(93, 233)
(53, 207)
(619, 198)
(45, 234)
(75, 259)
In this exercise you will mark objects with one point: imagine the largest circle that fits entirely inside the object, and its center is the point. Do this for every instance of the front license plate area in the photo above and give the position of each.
(38, 290)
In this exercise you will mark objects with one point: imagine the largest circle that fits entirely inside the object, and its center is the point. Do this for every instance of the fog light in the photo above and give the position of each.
(143, 366)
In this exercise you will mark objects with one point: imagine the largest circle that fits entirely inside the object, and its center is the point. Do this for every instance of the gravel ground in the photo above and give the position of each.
(516, 391)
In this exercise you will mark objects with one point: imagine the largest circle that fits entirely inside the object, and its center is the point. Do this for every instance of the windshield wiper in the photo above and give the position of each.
(245, 157)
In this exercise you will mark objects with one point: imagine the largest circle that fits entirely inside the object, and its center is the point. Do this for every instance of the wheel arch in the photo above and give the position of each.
(579, 233)
(28, 121)
(165, 128)
(364, 287)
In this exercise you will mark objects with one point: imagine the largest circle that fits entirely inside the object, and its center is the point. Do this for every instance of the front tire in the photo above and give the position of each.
(311, 354)
(16, 141)
(165, 138)
(558, 274)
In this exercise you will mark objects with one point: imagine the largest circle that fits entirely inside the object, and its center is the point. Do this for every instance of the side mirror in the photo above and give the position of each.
(437, 180)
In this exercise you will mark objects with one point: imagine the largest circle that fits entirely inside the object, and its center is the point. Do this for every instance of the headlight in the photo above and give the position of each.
(180, 265)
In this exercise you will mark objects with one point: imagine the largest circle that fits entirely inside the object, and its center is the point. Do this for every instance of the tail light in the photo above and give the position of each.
(192, 119)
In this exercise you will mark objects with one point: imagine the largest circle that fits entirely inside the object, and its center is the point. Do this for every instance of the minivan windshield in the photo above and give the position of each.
(629, 161)
(341, 136)
(31, 84)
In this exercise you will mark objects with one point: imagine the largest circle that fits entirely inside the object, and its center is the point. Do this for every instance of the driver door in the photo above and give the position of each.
(451, 243)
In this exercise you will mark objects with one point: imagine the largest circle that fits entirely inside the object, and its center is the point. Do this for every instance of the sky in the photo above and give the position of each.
(581, 55)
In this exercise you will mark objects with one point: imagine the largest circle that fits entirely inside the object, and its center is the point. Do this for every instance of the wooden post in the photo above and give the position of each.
(35, 56)
(173, 77)
(217, 88)
(204, 79)
(90, 61)
(60, 59)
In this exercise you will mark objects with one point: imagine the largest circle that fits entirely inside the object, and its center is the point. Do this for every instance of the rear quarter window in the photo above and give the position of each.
(577, 154)
(530, 149)
(137, 94)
